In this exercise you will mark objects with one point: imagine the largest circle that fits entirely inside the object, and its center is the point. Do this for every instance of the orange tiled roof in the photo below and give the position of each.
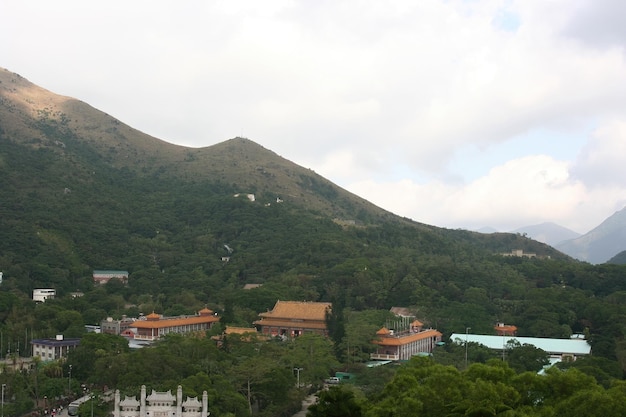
(404, 339)
(417, 323)
(205, 311)
(383, 332)
(505, 329)
(239, 330)
(303, 310)
(292, 323)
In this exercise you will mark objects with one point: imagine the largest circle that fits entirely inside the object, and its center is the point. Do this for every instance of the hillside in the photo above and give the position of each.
(619, 259)
(77, 134)
(79, 191)
(601, 243)
(39, 119)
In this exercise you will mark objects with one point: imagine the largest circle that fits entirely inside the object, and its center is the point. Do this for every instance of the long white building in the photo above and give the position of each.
(558, 349)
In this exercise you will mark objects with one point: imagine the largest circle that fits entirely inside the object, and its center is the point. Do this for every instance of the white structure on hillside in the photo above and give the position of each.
(161, 404)
(250, 197)
(40, 295)
(53, 349)
(103, 276)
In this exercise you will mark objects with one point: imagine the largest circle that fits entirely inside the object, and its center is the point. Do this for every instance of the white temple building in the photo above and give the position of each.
(161, 404)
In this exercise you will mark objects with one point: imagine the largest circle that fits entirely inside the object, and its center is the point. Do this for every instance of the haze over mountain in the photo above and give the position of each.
(550, 233)
(600, 244)
(619, 259)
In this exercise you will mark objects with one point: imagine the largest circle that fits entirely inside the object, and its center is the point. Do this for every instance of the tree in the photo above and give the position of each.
(420, 388)
(312, 353)
(525, 357)
(360, 329)
(95, 347)
(335, 324)
(337, 401)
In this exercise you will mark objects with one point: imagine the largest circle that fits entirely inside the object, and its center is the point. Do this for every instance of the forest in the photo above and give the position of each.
(542, 297)
(66, 211)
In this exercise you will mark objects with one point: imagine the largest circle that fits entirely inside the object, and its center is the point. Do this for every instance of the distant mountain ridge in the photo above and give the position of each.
(619, 259)
(600, 244)
(550, 233)
(604, 243)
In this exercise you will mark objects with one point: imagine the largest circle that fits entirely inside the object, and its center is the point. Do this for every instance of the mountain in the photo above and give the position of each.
(550, 233)
(80, 190)
(619, 259)
(487, 230)
(600, 244)
(39, 119)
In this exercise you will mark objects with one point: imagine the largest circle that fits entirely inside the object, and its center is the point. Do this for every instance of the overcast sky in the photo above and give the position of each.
(455, 113)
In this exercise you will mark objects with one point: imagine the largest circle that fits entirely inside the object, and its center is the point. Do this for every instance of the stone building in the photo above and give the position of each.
(53, 349)
(161, 404)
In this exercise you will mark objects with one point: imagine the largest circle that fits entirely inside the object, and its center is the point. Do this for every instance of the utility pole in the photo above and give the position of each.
(69, 382)
(467, 329)
(3, 386)
(298, 373)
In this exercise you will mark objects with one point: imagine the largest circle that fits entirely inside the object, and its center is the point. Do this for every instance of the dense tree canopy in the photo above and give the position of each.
(189, 243)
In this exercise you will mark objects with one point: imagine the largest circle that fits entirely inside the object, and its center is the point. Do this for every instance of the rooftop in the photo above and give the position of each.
(552, 346)
(305, 310)
(398, 339)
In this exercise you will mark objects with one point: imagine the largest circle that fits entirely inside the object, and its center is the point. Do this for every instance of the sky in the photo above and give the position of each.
(455, 113)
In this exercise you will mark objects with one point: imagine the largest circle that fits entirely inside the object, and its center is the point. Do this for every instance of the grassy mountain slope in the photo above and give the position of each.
(79, 190)
(37, 118)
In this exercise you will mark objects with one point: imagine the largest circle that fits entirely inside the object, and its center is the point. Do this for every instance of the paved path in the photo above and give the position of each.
(305, 405)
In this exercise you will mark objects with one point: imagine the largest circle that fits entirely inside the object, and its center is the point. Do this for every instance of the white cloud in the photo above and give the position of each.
(521, 192)
(598, 22)
(601, 161)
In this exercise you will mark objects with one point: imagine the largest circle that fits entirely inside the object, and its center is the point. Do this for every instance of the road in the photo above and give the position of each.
(308, 401)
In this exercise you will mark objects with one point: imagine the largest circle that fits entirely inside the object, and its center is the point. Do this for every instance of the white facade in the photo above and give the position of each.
(102, 277)
(161, 404)
(53, 349)
(42, 294)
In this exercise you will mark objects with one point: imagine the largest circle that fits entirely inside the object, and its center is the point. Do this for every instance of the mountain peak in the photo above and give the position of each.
(547, 232)
(601, 243)
(37, 118)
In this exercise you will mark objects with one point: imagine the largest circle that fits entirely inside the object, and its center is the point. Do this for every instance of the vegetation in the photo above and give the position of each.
(425, 388)
(71, 202)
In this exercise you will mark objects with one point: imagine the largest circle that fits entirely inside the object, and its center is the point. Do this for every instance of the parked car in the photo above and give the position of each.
(332, 380)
